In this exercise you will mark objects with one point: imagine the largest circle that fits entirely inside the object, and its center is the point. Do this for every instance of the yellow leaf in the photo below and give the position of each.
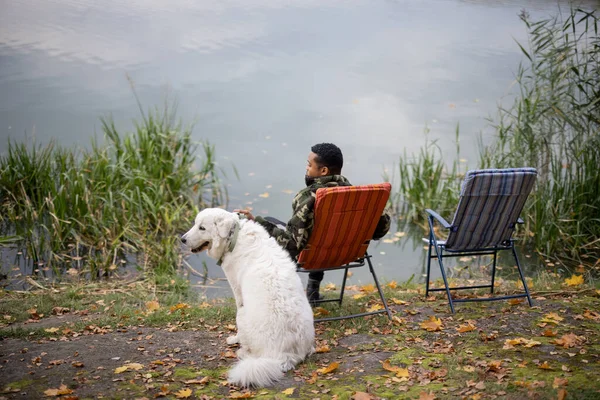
(399, 234)
(320, 311)
(63, 389)
(238, 395)
(179, 306)
(119, 370)
(432, 325)
(545, 365)
(288, 391)
(322, 349)
(549, 333)
(400, 302)
(152, 305)
(359, 296)
(375, 307)
(402, 373)
(264, 195)
(574, 280)
(52, 330)
(183, 393)
(392, 285)
(466, 328)
(389, 367)
(370, 288)
(330, 368)
(330, 286)
(134, 366)
(552, 318)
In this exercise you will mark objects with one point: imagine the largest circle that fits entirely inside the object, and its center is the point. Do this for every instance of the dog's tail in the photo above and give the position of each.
(256, 372)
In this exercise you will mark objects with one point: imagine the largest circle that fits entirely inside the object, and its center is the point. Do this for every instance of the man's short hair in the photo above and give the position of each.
(330, 156)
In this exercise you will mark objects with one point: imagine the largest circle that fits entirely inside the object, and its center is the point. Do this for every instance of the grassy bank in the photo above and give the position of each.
(85, 211)
(554, 126)
(128, 340)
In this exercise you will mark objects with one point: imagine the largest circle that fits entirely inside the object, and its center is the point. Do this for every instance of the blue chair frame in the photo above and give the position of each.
(488, 211)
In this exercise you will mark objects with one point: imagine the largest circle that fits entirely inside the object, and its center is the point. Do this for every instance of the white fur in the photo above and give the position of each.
(274, 319)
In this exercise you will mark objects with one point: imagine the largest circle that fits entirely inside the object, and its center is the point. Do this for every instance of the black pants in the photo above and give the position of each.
(315, 276)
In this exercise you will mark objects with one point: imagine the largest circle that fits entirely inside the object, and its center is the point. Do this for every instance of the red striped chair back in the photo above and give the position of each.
(345, 220)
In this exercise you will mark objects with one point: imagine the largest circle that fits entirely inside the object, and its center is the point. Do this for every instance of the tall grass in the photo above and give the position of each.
(426, 182)
(129, 195)
(554, 126)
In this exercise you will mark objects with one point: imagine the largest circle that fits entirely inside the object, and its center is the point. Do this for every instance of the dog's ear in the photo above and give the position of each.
(224, 225)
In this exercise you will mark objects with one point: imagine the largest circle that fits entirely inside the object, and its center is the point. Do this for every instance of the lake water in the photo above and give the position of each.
(265, 80)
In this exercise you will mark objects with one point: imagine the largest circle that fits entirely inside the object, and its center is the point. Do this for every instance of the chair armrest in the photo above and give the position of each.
(520, 221)
(440, 219)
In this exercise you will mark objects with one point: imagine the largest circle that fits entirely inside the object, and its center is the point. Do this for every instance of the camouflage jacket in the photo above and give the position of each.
(295, 237)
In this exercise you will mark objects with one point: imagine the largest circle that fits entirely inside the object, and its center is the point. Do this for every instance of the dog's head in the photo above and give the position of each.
(210, 232)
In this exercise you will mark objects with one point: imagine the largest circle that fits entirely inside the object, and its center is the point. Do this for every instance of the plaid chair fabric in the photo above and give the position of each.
(345, 220)
(487, 213)
(490, 203)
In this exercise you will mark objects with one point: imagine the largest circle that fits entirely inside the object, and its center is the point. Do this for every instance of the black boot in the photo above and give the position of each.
(312, 291)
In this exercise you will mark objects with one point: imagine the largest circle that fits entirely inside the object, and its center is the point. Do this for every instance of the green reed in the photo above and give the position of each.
(552, 125)
(426, 182)
(129, 195)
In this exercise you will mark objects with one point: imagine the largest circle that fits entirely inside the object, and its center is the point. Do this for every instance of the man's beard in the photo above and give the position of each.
(309, 180)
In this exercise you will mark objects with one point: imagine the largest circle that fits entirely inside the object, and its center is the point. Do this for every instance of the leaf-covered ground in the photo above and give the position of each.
(112, 344)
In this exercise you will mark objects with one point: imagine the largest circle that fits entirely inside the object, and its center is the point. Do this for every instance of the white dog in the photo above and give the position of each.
(274, 319)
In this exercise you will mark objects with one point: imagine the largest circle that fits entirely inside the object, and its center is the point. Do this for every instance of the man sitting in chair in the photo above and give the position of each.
(323, 170)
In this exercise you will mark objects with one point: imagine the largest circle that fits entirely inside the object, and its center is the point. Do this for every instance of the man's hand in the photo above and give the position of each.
(246, 213)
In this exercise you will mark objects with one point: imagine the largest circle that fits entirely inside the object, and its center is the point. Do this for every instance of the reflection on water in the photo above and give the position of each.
(264, 80)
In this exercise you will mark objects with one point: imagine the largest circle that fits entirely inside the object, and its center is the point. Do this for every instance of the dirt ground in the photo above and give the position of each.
(550, 351)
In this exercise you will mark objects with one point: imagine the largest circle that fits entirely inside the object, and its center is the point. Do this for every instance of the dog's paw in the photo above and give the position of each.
(233, 339)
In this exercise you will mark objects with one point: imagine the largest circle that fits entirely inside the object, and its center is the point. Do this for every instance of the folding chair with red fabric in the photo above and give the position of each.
(345, 220)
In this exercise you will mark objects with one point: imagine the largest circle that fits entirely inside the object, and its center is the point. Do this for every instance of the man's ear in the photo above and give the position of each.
(324, 171)
(224, 225)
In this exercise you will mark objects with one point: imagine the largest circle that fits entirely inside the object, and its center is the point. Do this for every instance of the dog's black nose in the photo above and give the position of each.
(183, 240)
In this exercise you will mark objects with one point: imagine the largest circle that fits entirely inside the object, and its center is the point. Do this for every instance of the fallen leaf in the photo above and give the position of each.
(51, 330)
(466, 328)
(63, 389)
(359, 296)
(545, 366)
(330, 368)
(399, 302)
(562, 394)
(288, 391)
(549, 333)
(264, 195)
(574, 280)
(552, 318)
(392, 285)
(322, 349)
(375, 307)
(202, 381)
(119, 370)
(569, 340)
(238, 395)
(361, 396)
(559, 382)
(320, 311)
(183, 393)
(330, 286)
(427, 396)
(370, 288)
(432, 325)
(152, 305)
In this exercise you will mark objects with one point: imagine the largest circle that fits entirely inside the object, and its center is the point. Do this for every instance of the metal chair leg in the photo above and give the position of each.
(343, 286)
(521, 274)
(493, 272)
(387, 310)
